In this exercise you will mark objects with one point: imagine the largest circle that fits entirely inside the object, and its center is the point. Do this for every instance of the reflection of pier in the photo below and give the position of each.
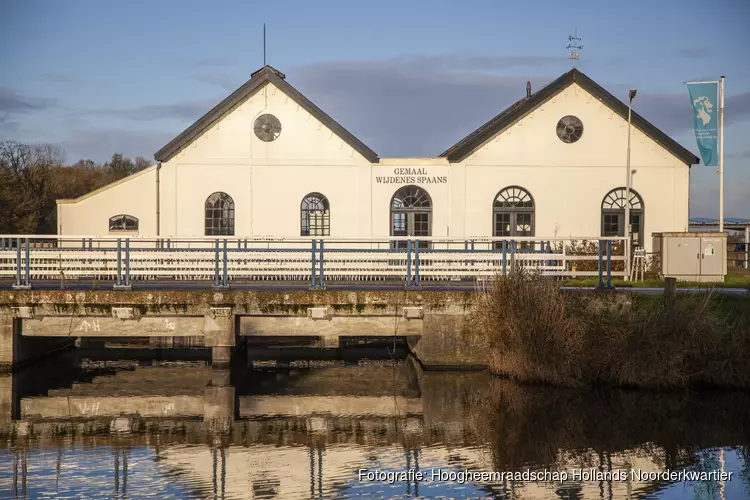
(305, 433)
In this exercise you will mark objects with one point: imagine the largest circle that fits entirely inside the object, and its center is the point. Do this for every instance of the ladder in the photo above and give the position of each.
(639, 264)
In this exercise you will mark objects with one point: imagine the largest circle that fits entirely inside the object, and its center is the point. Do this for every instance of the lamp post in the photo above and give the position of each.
(626, 231)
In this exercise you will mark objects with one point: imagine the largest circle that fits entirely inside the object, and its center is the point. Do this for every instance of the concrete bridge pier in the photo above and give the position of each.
(220, 334)
(17, 350)
(219, 403)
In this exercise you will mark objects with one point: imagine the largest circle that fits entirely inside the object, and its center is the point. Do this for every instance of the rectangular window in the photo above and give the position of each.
(635, 228)
(611, 225)
(502, 224)
(318, 223)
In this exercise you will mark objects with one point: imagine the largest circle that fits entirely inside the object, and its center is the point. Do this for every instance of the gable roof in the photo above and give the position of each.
(466, 146)
(266, 74)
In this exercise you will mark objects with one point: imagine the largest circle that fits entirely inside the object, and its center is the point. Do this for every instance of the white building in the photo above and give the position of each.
(267, 162)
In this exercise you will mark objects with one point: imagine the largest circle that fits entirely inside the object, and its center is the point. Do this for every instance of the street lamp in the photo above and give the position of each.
(631, 95)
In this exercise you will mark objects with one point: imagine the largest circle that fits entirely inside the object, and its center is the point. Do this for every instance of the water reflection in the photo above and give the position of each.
(182, 430)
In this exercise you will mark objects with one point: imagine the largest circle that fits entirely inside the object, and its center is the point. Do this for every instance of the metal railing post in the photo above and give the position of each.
(408, 262)
(127, 262)
(27, 263)
(216, 263)
(601, 267)
(416, 263)
(609, 263)
(18, 262)
(119, 262)
(225, 278)
(321, 275)
(512, 255)
(505, 258)
(312, 271)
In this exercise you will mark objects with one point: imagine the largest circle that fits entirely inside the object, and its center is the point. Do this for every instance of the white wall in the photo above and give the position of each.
(268, 180)
(89, 214)
(569, 181)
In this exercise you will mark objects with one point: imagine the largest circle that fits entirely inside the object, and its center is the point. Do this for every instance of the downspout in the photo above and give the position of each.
(158, 202)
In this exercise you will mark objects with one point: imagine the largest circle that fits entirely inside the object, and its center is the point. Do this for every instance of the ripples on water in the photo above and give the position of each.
(180, 430)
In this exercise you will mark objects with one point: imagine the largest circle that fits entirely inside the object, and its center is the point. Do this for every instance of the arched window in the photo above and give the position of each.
(411, 215)
(513, 212)
(219, 215)
(123, 222)
(315, 216)
(613, 215)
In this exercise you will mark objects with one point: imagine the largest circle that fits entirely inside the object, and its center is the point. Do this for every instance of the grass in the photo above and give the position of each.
(736, 278)
(537, 333)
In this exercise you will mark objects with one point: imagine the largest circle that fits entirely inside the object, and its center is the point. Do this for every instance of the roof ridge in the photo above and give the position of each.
(470, 143)
(266, 74)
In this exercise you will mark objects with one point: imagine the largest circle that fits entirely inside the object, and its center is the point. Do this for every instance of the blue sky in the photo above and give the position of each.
(407, 78)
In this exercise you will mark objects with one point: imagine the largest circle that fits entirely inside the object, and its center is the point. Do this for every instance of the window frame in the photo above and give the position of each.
(125, 218)
(409, 212)
(306, 214)
(616, 203)
(513, 212)
(231, 209)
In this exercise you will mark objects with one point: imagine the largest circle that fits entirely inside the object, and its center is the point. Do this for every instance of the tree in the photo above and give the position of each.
(120, 166)
(33, 177)
(27, 190)
(141, 164)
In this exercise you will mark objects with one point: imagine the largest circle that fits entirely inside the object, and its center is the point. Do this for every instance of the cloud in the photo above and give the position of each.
(184, 110)
(407, 107)
(56, 78)
(100, 144)
(8, 129)
(223, 80)
(12, 101)
(214, 61)
(465, 62)
(692, 53)
(672, 112)
(421, 105)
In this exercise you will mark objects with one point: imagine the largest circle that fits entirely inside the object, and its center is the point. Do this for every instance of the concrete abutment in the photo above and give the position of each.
(17, 350)
(430, 321)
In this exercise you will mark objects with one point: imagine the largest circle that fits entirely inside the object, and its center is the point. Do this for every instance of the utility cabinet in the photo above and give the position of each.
(698, 257)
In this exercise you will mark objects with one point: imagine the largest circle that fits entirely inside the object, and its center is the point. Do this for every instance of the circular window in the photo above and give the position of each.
(569, 129)
(267, 128)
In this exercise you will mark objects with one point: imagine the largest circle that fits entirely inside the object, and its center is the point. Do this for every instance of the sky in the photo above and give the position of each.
(408, 78)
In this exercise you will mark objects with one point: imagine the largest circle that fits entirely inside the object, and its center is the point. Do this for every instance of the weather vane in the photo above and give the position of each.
(574, 49)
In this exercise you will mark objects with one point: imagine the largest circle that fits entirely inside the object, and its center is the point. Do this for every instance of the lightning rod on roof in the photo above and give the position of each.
(574, 47)
(264, 44)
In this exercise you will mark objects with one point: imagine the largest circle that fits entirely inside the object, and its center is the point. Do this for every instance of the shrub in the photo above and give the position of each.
(537, 332)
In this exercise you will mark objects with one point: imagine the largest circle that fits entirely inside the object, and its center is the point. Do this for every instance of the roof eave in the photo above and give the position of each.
(472, 142)
(258, 79)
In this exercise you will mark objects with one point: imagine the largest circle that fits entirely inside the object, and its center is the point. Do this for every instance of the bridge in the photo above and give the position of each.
(227, 291)
(221, 262)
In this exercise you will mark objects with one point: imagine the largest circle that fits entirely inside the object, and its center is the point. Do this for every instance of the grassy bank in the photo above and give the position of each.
(538, 333)
(735, 278)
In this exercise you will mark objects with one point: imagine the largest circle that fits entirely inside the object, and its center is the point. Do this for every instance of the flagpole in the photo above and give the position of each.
(721, 155)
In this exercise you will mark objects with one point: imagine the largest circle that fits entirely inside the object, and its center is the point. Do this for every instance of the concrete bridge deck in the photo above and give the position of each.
(430, 320)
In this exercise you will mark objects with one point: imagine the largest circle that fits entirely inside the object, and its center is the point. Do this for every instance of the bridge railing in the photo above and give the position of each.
(222, 260)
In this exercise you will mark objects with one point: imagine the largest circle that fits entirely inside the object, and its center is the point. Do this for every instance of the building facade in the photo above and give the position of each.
(267, 162)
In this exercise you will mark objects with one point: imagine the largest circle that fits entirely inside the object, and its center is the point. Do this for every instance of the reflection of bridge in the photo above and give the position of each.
(297, 433)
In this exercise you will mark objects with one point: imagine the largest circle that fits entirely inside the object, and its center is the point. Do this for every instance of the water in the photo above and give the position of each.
(72, 428)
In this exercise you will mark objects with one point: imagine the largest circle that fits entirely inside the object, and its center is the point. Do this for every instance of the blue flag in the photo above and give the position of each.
(704, 98)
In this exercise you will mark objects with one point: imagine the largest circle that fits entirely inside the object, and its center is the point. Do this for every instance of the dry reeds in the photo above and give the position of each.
(539, 333)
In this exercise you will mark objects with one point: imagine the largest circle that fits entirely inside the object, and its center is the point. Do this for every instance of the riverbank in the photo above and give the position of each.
(537, 333)
(735, 278)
